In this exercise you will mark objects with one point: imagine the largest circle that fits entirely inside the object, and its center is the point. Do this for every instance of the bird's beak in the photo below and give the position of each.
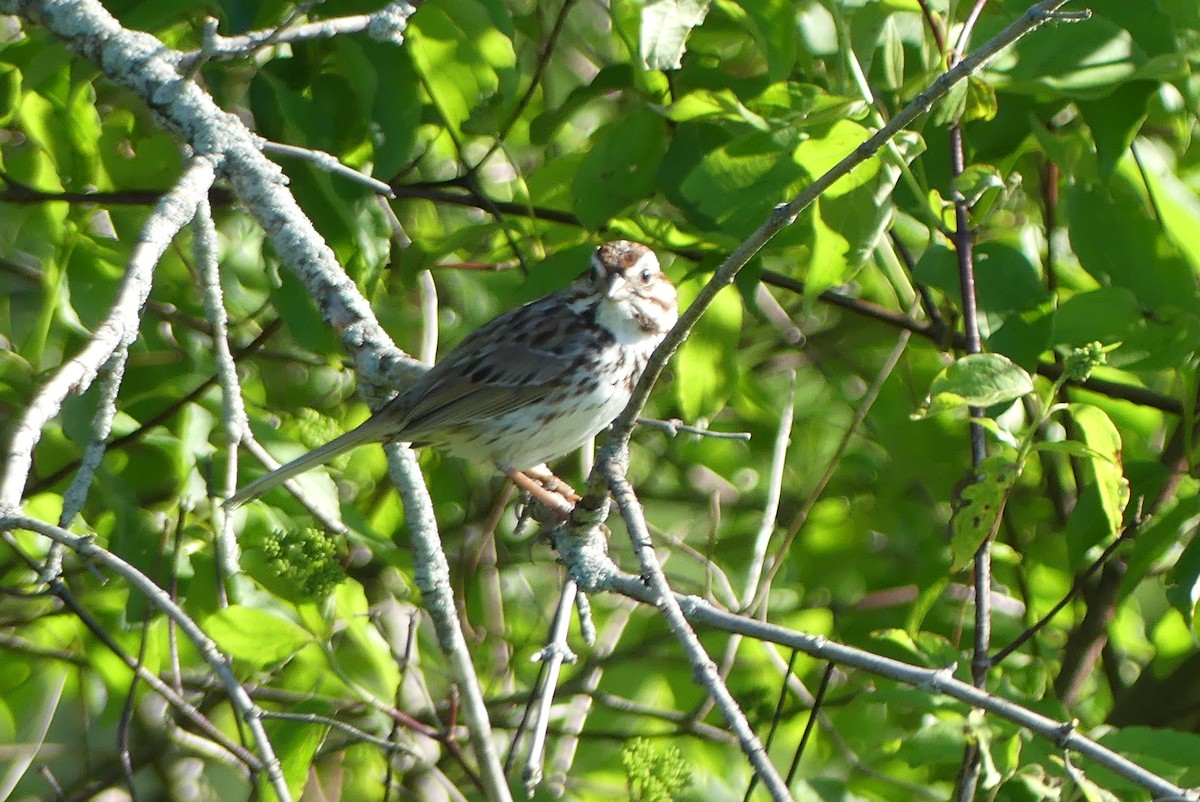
(615, 282)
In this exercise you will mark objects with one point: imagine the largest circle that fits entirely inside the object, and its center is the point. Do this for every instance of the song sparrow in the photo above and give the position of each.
(533, 384)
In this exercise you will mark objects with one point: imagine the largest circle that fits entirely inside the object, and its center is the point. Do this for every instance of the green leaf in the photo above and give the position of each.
(978, 509)
(772, 23)
(1183, 589)
(665, 28)
(1083, 61)
(829, 263)
(360, 652)
(1072, 448)
(976, 180)
(255, 636)
(1102, 473)
(978, 380)
(301, 316)
(730, 183)
(1115, 121)
(1105, 315)
(395, 106)
(1119, 255)
(613, 77)
(850, 218)
(461, 53)
(619, 168)
(706, 365)
(1163, 751)
(296, 742)
(980, 105)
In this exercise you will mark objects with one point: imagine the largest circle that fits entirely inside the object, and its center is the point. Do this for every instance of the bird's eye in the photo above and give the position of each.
(645, 275)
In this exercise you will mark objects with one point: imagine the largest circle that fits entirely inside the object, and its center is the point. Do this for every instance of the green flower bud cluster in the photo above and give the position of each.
(298, 564)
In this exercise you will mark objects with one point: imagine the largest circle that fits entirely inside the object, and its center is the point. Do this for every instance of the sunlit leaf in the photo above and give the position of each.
(978, 380)
(665, 28)
(255, 636)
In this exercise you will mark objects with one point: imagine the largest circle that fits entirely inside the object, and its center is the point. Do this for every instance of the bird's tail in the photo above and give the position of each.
(368, 431)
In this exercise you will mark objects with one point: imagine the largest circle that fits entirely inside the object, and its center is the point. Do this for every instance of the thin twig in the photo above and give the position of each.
(964, 250)
(818, 698)
(329, 164)
(777, 716)
(535, 80)
(674, 426)
(774, 490)
(1077, 587)
(111, 376)
(234, 424)
(580, 706)
(228, 47)
(553, 655)
(348, 729)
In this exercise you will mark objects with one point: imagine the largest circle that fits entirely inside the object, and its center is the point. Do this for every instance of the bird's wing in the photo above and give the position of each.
(509, 377)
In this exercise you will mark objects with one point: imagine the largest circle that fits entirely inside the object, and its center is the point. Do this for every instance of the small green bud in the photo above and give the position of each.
(1082, 361)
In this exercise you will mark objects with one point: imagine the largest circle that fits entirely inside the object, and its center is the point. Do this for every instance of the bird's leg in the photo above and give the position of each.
(546, 478)
(554, 498)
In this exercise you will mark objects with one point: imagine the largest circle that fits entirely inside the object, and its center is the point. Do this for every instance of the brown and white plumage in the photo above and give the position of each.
(533, 384)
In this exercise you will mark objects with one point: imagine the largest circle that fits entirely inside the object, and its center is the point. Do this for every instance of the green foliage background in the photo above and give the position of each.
(517, 136)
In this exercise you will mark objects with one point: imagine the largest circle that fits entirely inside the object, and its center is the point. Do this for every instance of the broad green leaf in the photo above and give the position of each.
(1176, 205)
(388, 79)
(665, 27)
(1005, 280)
(1160, 535)
(1164, 751)
(937, 743)
(978, 380)
(610, 78)
(1087, 789)
(1072, 448)
(619, 168)
(461, 54)
(1014, 314)
(730, 183)
(255, 636)
(819, 153)
(829, 263)
(852, 215)
(1115, 121)
(1103, 315)
(10, 92)
(1082, 61)
(772, 23)
(719, 105)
